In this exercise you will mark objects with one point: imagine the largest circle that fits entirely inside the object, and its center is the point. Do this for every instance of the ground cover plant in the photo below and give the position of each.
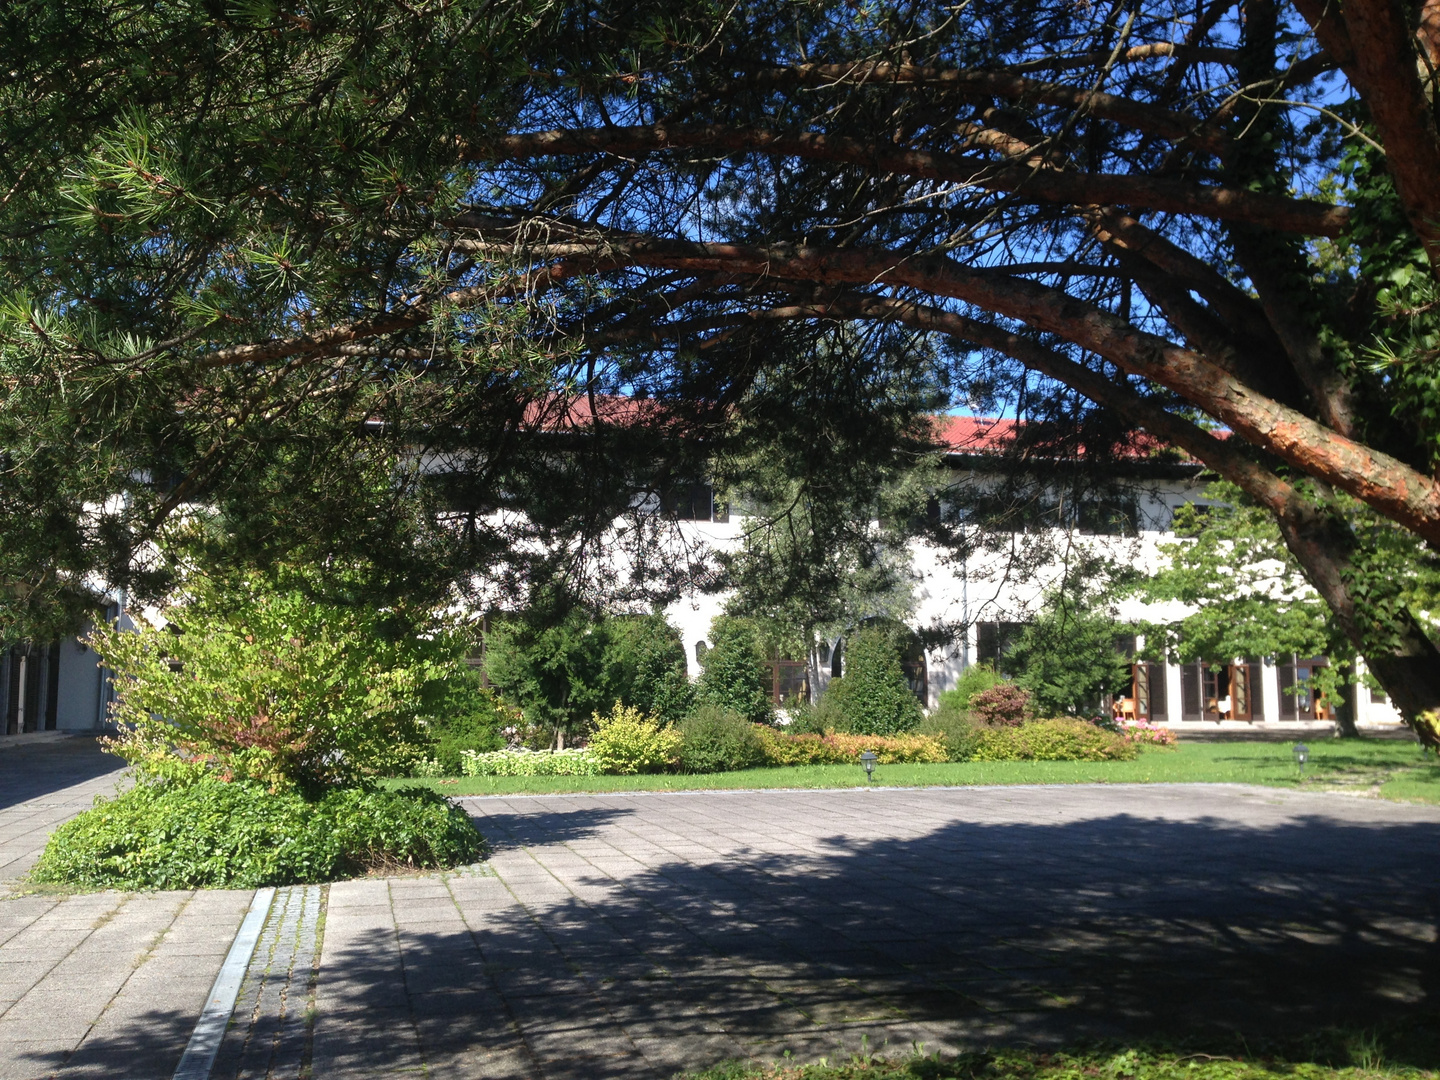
(1378, 767)
(214, 834)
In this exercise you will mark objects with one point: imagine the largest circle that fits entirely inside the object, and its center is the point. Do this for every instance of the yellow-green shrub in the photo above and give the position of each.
(627, 742)
(834, 749)
(1053, 740)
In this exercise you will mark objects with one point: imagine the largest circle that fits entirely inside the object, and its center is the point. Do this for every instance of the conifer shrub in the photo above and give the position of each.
(625, 742)
(717, 740)
(1053, 740)
(733, 671)
(872, 695)
(212, 834)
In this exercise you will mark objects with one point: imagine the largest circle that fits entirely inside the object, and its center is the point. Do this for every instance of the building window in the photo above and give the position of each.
(1210, 691)
(993, 641)
(1298, 700)
(694, 502)
(1147, 690)
(1108, 517)
(789, 681)
(701, 648)
(30, 687)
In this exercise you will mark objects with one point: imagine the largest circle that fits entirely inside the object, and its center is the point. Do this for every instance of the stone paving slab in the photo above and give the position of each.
(42, 785)
(103, 984)
(636, 935)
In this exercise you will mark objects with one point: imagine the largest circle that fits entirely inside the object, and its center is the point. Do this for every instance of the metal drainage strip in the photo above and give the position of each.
(199, 1056)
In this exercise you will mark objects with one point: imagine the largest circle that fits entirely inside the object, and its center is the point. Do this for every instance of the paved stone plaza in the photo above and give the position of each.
(636, 935)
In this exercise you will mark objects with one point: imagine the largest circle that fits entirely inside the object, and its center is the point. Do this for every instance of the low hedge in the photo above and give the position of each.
(211, 834)
(834, 749)
(530, 763)
(1053, 740)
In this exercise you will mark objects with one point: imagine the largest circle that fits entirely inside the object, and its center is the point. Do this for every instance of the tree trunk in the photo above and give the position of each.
(1410, 669)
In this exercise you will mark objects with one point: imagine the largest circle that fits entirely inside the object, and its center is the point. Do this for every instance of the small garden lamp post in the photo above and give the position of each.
(1302, 755)
(868, 759)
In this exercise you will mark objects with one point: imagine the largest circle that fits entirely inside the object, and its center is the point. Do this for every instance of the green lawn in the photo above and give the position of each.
(1392, 770)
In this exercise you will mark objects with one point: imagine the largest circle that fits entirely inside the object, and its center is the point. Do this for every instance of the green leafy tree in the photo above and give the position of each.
(732, 673)
(1251, 599)
(873, 695)
(553, 670)
(254, 679)
(1067, 656)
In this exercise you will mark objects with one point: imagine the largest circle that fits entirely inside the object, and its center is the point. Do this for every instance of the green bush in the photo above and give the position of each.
(816, 719)
(956, 728)
(873, 696)
(259, 680)
(645, 660)
(560, 670)
(716, 740)
(465, 716)
(975, 679)
(1067, 656)
(625, 742)
(211, 834)
(1053, 740)
(530, 763)
(733, 671)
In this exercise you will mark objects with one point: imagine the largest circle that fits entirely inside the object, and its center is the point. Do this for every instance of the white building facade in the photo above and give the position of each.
(988, 599)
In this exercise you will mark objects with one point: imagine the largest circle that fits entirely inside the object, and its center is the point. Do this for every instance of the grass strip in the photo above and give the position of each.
(1327, 1055)
(1375, 767)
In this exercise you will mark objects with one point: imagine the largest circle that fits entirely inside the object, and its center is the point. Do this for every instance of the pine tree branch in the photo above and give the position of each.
(1046, 185)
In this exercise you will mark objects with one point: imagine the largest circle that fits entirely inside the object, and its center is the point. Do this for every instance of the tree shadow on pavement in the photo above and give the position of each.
(40, 769)
(971, 935)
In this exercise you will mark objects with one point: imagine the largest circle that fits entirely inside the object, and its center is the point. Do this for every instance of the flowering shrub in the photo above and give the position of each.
(1053, 740)
(834, 749)
(529, 763)
(1146, 734)
(1003, 705)
(626, 742)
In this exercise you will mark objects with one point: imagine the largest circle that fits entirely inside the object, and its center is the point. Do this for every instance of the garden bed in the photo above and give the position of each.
(1380, 768)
